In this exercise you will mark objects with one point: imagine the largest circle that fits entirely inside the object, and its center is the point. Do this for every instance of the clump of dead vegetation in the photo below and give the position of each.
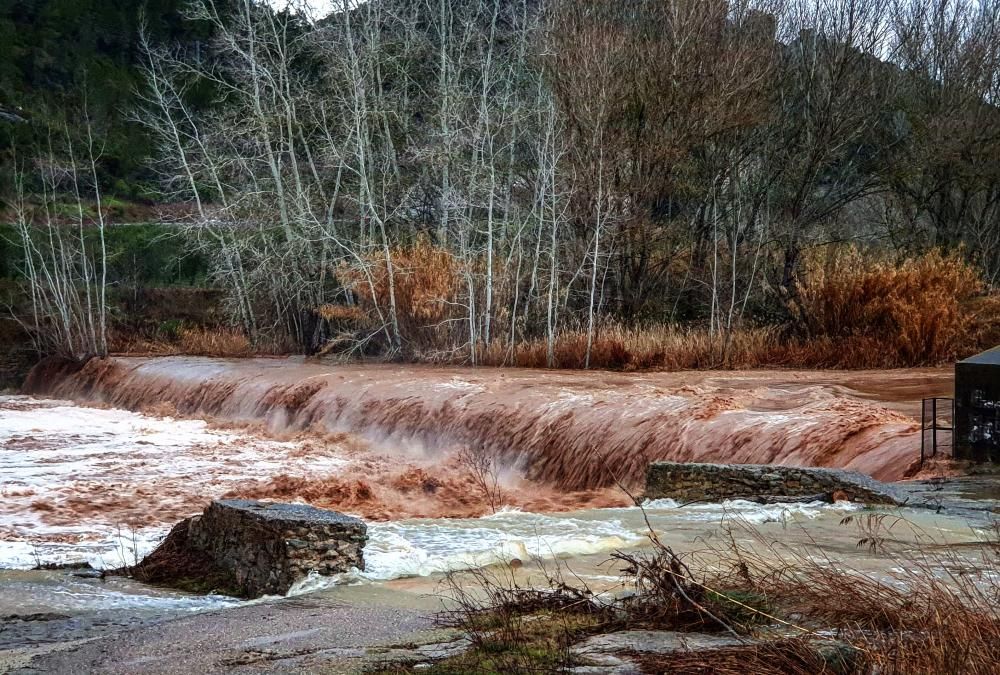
(517, 628)
(849, 309)
(785, 611)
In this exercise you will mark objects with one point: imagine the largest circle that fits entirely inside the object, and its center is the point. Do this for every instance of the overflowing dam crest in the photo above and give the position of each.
(570, 430)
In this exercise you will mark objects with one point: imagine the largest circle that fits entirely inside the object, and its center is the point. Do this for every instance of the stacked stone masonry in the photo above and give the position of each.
(714, 482)
(269, 547)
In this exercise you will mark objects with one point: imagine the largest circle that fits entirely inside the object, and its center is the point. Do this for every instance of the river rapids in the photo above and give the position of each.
(453, 468)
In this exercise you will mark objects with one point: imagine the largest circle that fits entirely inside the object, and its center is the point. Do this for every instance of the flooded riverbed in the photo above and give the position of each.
(96, 481)
(103, 486)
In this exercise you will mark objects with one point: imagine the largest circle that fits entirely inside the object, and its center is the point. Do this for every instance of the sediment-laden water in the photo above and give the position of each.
(452, 468)
(572, 430)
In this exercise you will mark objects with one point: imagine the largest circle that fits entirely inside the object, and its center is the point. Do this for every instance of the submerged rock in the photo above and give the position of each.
(249, 549)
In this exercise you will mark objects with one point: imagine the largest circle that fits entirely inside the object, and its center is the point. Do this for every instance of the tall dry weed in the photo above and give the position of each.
(215, 341)
(618, 347)
(915, 312)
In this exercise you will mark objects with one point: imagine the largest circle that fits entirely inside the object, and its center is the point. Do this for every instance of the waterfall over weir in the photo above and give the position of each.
(569, 431)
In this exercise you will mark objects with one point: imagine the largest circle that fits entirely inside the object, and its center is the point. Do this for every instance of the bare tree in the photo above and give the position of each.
(64, 249)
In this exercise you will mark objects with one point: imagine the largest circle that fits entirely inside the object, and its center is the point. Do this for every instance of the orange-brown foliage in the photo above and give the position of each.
(857, 312)
(914, 312)
(851, 311)
(426, 284)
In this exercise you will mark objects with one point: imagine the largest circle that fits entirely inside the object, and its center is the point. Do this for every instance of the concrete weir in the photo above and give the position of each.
(690, 482)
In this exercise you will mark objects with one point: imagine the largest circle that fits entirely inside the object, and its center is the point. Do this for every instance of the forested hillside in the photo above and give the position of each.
(657, 183)
(64, 60)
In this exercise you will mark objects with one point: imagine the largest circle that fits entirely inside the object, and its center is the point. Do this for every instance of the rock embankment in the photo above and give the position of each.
(250, 548)
(692, 482)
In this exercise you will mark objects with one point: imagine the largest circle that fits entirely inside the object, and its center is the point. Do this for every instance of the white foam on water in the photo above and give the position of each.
(100, 547)
(748, 511)
(420, 548)
(80, 484)
(72, 594)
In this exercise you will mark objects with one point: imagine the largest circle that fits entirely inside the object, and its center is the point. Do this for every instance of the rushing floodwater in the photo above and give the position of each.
(139, 474)
(560, 439)
(102, 485)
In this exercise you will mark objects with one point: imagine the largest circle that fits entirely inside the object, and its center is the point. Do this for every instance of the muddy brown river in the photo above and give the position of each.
(99, 462)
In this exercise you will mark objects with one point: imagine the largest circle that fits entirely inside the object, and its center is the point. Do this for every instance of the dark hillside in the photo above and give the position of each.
(60, 58)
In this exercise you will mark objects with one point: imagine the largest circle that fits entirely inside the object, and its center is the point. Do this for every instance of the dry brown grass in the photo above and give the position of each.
(515, 629)
(215, 342)
(195, 341)
(935, 612)
(790, 610)
(938, 612)
(780, 657)
(618, 347)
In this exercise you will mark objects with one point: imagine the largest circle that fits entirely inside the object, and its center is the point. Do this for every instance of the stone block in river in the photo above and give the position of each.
(690, 482)
(250, 548)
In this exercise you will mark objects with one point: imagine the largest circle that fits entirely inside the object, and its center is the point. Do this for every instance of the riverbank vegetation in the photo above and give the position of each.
(564, 183)
(738, 608)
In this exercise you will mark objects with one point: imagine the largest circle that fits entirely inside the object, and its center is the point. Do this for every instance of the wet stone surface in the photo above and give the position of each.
(27, 630)
(269, 547)
(691, 482)
(605, 653)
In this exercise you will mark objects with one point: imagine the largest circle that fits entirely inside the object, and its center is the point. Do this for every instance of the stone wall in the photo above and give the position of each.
(715, 482)
(249, 548)
(268, 547)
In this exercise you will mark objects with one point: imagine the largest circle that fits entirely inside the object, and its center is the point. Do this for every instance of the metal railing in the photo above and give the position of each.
(937, 419)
